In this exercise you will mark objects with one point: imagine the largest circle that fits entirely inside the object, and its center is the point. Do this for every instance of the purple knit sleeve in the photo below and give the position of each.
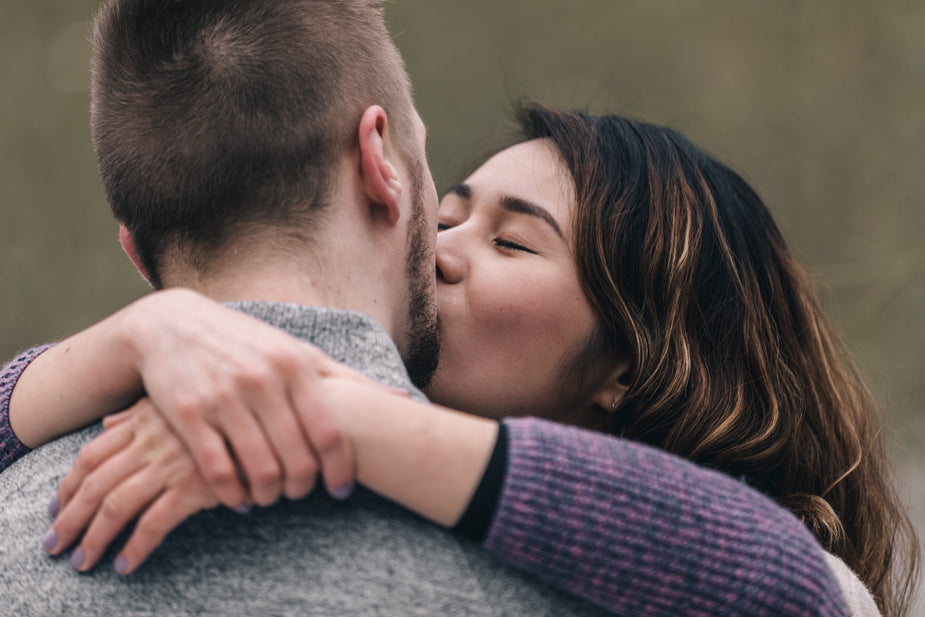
(11, 449)
(639, 531)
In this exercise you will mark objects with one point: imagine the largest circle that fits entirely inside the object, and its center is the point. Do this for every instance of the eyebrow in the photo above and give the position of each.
(513, 204)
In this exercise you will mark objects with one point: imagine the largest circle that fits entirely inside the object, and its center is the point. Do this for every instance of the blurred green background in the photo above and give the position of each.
(821, 105)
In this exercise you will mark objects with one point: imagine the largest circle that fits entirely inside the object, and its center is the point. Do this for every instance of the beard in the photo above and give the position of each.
(423, 351)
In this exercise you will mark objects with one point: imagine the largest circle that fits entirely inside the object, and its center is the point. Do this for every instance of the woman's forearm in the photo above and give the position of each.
(629, 527)
(427, 458)
(635, 529)
(74, 383)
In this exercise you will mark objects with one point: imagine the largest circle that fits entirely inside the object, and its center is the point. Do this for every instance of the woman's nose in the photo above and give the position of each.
(451, 268)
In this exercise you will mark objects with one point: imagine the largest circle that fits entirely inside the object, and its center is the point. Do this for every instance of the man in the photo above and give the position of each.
(265, 152)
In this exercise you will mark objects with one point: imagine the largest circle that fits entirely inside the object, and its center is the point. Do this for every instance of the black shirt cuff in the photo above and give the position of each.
(478, 516)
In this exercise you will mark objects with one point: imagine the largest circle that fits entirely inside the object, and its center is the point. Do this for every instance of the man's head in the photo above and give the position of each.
(216, 120)
(209, 116)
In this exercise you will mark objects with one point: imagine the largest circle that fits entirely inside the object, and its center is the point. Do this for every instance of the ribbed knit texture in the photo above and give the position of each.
(642, 532)
(11, 449)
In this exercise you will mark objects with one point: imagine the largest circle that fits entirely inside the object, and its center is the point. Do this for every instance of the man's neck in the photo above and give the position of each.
(282, 279)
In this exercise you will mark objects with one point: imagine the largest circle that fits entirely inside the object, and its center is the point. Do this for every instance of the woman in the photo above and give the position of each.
(687, 326)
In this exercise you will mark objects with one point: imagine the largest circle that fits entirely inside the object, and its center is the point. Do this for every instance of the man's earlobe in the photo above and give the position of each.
(379, 178)
(128, 245)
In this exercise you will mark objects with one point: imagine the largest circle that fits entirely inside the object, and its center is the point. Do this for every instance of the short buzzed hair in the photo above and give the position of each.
(209, 116)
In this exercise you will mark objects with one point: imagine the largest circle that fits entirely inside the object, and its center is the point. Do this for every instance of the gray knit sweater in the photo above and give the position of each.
(312, 557)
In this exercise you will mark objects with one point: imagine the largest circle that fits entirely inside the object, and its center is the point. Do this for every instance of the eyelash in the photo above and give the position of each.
(499, 242)
(512, 246)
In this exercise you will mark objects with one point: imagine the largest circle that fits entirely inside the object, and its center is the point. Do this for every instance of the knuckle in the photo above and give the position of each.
(112, 507)
(91, 488)
(289, 360)
(287, 355)
(298, 490)
(256, 378)
(267, 475)
(328, 438)
(303, 469)
(219, 475)
(188, 407)
(223, 395)
(86, 459)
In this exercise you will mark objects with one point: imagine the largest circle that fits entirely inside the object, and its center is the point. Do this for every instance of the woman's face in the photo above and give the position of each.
(511, 307)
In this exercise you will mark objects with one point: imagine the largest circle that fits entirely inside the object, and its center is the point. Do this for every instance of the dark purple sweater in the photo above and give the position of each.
(631, 528)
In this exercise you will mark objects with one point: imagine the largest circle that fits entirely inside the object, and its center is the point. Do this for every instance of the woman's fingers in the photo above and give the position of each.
(120, 506)
(193, 420)
(252, 451)
(300, 468)
(331, 446)
(94, 493)
(91, 456)
(152, 472)
(170, 509)
(114, 419)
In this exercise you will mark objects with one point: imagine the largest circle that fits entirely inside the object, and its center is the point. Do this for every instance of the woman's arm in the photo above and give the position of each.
(635, 529)
(11, 447)
(234, 388)
(139, 468)
(629, 527)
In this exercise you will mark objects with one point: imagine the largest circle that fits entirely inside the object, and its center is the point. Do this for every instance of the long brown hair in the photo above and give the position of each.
(734, 364)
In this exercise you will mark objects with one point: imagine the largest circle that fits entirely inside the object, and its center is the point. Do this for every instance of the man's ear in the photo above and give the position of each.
(614, 387)
(125, 239)
(380, 181)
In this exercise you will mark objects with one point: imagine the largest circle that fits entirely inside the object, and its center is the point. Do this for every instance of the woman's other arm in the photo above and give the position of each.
(11, 447)
(635, 529)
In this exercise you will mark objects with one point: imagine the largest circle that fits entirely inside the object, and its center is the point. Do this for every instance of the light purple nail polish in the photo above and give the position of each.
(122, 565)
(54, 506)
(343, 492)
(77, 558)
(243, 509)
(49, 540)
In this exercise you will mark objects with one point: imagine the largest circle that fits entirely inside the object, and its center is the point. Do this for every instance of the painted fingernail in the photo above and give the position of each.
(122, 565)
(243, 509)
(343, 492)
(54, 506)
(49, 540)
(77, 558)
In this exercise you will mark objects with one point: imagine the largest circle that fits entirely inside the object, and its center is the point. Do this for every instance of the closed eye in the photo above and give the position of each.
(512, 246)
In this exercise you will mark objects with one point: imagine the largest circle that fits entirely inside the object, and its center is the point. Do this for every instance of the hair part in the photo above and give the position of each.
(210, 117)
(734, 364)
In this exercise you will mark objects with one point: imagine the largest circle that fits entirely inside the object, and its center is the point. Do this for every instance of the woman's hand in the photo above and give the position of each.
(239, 393)
(139, 468)
(137, 465)
(242, 395)
(426, 458)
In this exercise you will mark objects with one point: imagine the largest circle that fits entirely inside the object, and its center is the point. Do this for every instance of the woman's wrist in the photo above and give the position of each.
(427, 458)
